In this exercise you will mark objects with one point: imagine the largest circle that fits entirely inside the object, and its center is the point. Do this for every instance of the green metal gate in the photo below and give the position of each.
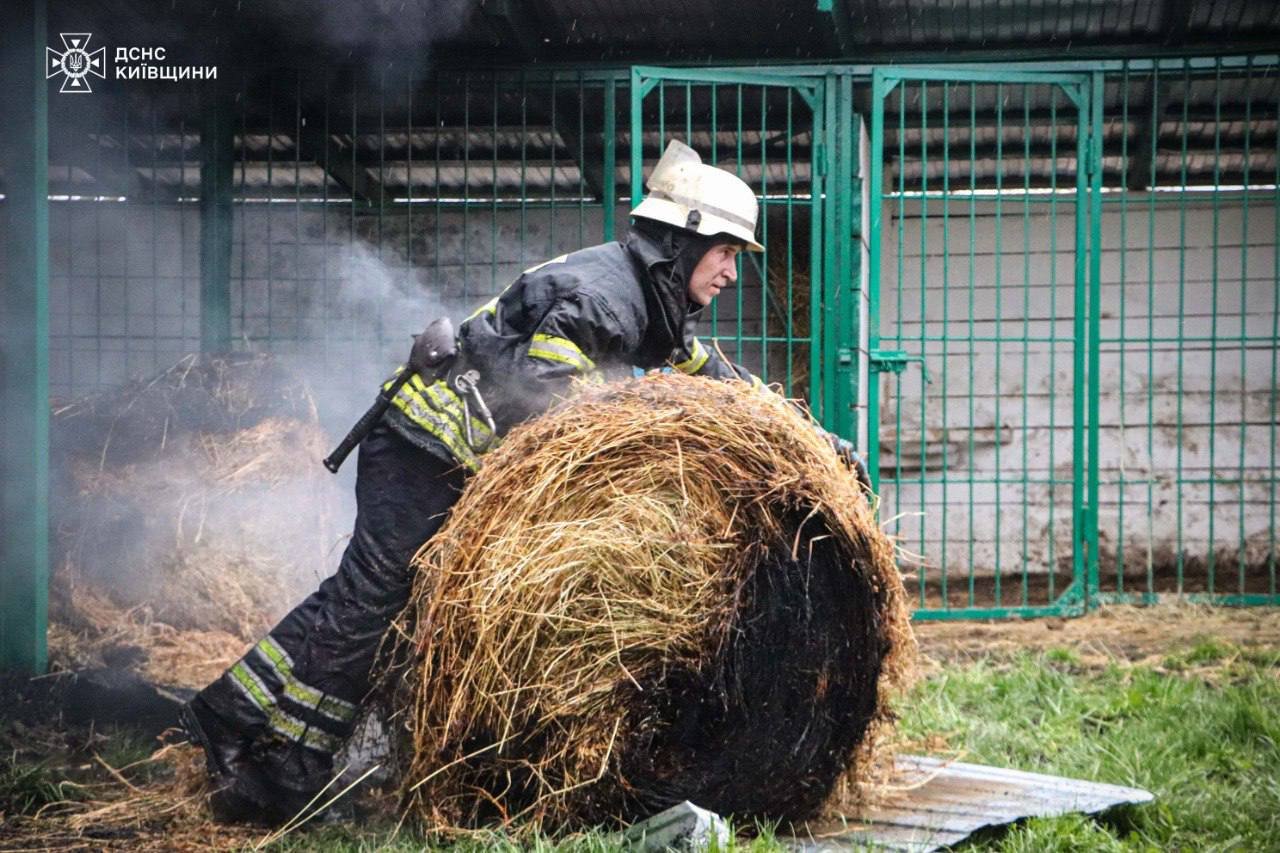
(980, 383)
(1190, 343)
(793, 318)
(1075, 305)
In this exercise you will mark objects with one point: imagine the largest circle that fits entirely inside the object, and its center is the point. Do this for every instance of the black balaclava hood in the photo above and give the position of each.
(678, 252)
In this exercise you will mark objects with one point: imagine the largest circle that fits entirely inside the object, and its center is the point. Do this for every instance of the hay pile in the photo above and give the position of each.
(790, 297)
(663, 590)
(88, 631)
(190, 512)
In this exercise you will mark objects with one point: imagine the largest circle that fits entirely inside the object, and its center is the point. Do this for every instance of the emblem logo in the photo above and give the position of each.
(76, 63)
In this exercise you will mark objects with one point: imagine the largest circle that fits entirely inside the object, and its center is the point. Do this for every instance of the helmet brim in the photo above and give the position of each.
(709, 225)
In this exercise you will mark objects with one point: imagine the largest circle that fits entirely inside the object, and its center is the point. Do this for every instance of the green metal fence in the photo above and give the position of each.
(989, 422)
(445, 190)
(794, 317)
(1074, 332)
(1073, 368)
(315, 214)
(1188, 346)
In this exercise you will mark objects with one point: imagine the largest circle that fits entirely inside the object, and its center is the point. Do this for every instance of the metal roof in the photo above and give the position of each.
(419, 32)
(938, 804)
(396, 97)
(484, 135)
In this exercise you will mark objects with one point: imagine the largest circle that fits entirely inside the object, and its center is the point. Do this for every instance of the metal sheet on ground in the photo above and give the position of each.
(943, 803)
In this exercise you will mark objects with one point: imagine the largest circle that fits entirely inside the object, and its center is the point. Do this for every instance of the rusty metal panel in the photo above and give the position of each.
(937, 804)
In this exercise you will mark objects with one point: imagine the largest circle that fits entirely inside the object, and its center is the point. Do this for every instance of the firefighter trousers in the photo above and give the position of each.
(274, 720)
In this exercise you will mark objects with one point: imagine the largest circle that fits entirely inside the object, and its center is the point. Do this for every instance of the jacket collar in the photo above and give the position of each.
(661, 279)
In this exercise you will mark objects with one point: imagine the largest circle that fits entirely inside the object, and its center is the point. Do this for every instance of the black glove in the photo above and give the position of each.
(851, 458)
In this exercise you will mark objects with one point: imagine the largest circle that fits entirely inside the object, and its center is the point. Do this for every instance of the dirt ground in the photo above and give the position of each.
(134, 807)
(1136, 634)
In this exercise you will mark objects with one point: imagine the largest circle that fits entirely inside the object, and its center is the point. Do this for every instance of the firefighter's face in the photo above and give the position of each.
(717, 270)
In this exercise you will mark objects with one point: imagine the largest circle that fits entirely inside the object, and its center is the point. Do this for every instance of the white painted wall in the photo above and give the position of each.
(309, 280)
(125, 303)
(1006, 408)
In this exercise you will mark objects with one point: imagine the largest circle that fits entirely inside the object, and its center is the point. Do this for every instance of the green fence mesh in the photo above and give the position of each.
(1072, 278)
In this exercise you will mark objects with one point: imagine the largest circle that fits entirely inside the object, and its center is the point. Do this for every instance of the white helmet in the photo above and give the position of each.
(687, 193)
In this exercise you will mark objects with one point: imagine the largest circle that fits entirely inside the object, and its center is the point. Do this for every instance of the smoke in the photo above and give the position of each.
(198, 492)
(362, 325)
(211, 530)
(376, 36)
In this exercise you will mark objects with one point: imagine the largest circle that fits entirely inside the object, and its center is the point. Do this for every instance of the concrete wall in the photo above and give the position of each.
(1182, 417)
(313, 282)
(124, 286)
(337, 288)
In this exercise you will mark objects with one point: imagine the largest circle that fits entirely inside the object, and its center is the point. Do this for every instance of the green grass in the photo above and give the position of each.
(1205, 741)
(129, 750)
(26, 786)
(36, 771)
(122, 747)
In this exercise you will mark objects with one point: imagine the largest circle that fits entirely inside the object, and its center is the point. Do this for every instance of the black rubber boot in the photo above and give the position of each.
(241, 792)
(272, 744)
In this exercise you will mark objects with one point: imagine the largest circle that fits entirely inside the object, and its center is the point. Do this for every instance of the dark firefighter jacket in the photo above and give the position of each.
(593, 314)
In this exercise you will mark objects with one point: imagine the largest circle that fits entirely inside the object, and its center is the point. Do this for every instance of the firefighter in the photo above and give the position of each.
(270, 725)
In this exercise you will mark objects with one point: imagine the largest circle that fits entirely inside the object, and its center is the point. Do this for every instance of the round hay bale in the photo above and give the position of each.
(664, 589)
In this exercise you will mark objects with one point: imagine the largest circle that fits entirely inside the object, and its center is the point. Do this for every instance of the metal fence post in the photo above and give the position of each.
(824, 392)
(217, 164)
(880, 87)
(1095, 316)
(24, 344)
(842, 350)
(610, 196)
(1080, 348)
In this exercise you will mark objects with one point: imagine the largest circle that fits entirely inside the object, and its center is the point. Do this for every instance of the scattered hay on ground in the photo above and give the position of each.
(200, 394)
(1144, 635)
(213, 533)
(159, 803)
(88, 631)
(664, 589)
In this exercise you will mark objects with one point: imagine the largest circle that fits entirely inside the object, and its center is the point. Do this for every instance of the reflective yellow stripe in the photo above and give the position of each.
(331, 706)
(490, 307)
(280, 722)
(552, 355)
(447, 399)
(448, 402)
(553, 348)
(417, 410)
(696, 359)
(448, 429)
(564, 346)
